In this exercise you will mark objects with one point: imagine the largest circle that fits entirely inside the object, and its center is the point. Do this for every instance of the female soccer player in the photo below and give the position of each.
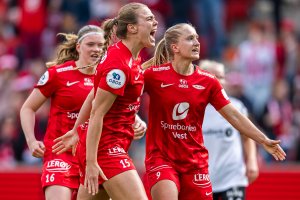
(232, 156)
(118, 85)
(66, 83)
(176, 158)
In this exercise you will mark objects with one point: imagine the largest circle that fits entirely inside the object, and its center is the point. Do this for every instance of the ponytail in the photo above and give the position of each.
(66, 51)
(161, 55)
(108, 28)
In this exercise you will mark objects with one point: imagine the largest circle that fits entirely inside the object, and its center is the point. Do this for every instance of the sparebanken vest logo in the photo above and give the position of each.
(180, 110)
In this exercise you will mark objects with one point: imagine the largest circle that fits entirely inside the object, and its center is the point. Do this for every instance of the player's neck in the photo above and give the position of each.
(133, 48)
(183, 67)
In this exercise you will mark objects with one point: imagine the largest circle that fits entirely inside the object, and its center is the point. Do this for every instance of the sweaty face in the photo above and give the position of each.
(91, 48)
(188, 46)
(146, 26)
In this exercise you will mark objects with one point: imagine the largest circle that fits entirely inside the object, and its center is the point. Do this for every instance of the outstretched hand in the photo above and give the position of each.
(273, 147)
(65, 142)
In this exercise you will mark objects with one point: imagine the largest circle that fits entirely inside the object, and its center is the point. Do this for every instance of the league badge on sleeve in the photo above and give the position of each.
(44, 78)
(115, 78)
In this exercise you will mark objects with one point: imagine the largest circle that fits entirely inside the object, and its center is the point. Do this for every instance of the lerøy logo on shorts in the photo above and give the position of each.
(180, 110)
(202, 180)
(115, 78)
(57, 165)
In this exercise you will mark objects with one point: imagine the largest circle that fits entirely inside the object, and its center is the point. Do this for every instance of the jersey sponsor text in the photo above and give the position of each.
(63, 69)
(179, 135)
(72, 115)
(158, 69)
(177, 127)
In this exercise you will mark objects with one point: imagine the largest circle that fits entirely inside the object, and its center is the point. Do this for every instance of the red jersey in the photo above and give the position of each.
(67, 88)
(177, 106)
(119, 74)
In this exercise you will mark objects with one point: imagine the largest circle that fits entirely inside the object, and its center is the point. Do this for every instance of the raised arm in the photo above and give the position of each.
(27, 116)
(247, 128)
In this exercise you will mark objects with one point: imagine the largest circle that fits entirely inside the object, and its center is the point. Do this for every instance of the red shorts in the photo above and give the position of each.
(60, 170)
(194, 184)
(113, 161)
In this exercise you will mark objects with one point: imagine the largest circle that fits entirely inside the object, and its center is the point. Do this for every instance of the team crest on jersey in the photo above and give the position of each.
(115, 78)
(183, 83)
(44, 78)
(88, 82)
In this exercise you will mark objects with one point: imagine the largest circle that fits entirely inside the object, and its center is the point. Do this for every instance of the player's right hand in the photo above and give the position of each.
(37, 149)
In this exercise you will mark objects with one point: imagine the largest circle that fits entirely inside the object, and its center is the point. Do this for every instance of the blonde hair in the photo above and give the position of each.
(118, 25)
(67, 50)
(163, 52)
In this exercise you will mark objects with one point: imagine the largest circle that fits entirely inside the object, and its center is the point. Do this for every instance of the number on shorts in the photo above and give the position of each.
(157, 175)
(50, 179)
(125, 163)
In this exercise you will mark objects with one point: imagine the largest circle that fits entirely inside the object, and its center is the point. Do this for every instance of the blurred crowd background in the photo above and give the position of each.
(257, 40)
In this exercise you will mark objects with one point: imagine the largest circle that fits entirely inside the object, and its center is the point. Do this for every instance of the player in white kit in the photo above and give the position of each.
(232, 156)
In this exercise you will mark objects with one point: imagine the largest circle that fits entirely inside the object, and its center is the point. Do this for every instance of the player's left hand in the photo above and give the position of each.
(273, 147)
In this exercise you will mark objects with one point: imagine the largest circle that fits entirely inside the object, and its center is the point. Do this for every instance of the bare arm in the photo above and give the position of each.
(247, 128)
(27, 115)
(250, 158)
(102, 103)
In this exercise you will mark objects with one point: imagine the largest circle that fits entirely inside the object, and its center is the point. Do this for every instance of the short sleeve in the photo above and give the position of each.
(47, 83)
(113, 77)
